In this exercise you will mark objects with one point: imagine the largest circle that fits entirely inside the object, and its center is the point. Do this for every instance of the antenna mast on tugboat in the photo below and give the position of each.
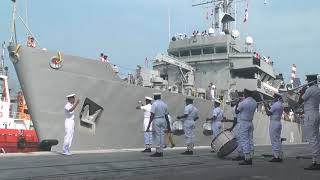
(2, 59)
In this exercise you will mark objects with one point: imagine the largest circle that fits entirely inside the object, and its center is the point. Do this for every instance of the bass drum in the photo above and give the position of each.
(207, 129)
(224, 143)
(177, 128)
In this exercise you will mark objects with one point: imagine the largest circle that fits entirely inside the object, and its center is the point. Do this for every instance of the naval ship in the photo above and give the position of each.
(107, 118)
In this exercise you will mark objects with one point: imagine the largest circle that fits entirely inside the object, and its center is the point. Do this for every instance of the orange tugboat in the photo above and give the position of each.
(16, 130)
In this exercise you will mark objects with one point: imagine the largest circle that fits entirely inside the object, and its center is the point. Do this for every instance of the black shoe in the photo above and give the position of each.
(173, 145)
(313, 166)
(157, 154)
(276, 160)
(246, 162)
(187, 153)
(146, 150)
(238, 158)
(213, 151)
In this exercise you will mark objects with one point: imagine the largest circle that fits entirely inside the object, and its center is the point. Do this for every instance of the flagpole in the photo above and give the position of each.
(169, 22)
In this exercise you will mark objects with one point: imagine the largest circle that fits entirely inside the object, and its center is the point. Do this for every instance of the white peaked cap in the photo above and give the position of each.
(70, 95)
(157, 94)
(216, 100)
(148, 98)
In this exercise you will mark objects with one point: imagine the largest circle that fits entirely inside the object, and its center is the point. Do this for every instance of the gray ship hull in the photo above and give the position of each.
(119, 124)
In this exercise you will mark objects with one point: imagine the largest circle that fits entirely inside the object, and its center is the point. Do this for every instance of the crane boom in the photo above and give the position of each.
(171, 60)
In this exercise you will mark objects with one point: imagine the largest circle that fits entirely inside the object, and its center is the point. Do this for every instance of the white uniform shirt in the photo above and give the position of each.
(217, 112)
(191, 111)
(311, 99)
(247, 107)
(276, 109)
(159, 109)
(69, 115)
(147, 109)
(212, 94)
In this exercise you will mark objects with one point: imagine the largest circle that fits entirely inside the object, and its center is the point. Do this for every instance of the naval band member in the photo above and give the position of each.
(275, 113)
(69, 123)
(246, 108)
(311, 99)
(160, 122)
(147, 134)
(217, 117)
(190, 116)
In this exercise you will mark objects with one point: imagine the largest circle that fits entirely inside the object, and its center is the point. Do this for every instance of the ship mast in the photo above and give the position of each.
(13, 38)
(223, 14)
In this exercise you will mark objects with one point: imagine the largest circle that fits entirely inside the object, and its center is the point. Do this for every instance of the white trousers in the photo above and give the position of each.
(246, 138)
(188, 127)
(159, 126)
(148, 139)
(146, 123)
(311, 128)
(216, 128)
(147, 135)
(237, 135)
(275, 137)
(69, 129)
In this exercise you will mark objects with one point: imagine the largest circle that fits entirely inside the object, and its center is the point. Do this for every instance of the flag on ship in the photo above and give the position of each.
(246, 15)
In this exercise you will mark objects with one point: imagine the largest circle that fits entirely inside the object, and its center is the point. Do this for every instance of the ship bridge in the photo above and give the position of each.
(220, 57)
(203, 48)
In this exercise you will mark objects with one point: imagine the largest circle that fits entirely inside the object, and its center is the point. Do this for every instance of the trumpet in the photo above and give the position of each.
(304, 85)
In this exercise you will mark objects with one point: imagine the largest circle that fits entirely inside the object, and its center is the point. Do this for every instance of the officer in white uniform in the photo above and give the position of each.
(160, 122)
(311, 99)
(69, 123)
(190, 116)
(217, 116)
(275, 113)
(246, 108)
(147, 135)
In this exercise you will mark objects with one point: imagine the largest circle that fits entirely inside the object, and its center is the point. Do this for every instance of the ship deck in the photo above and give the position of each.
(132, 164)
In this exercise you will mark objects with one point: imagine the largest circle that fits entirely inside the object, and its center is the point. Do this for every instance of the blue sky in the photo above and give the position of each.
(129, 31)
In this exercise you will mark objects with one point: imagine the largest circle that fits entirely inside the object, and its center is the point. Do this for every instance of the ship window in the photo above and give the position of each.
(195, 51)
(209, 50)
(185, 53)
(221, 49)
(174, 53)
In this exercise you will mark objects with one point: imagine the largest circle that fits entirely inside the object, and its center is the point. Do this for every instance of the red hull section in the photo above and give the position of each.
(13, 140)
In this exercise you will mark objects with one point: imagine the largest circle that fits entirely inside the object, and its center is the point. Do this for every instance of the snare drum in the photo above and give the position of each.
(207, 129)
(177, 128)
(224, 143)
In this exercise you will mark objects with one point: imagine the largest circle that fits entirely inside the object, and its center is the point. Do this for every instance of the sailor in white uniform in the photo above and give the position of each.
(311, 99)
(217, 117)
(160, 122)
(69, 123)
(147, 134)
(246, 108)
(190, 116)
(275, 113)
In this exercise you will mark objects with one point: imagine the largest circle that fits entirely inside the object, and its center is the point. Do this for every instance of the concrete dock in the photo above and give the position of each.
(132, 164)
